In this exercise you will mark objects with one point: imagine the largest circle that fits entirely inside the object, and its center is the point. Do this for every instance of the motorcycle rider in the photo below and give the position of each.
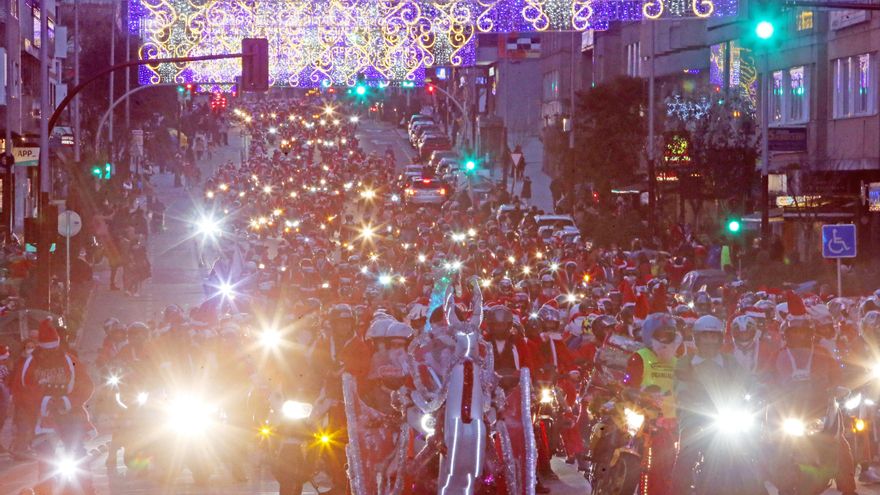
(754, 353)
(806, 372)
(652, 369)
(705, 382)
(53, 387)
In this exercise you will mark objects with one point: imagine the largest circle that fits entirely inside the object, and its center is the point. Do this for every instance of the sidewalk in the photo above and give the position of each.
(176, 280)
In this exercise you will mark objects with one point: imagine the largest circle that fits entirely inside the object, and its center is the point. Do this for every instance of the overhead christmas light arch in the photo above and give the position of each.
(331, 42)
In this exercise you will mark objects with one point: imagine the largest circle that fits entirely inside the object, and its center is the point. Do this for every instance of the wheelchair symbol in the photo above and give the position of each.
(836, 245)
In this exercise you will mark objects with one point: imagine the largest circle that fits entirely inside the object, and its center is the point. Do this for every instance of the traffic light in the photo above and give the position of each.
(765, 21)
(734, 225)
(255, 64)
(102, 172)
(469, 165)
(360, 89)
(430, 88)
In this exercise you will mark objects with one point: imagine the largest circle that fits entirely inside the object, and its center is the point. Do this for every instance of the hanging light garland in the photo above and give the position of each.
(335, 42)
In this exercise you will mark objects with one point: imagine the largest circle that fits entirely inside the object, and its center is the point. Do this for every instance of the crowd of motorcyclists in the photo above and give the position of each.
(360, 342)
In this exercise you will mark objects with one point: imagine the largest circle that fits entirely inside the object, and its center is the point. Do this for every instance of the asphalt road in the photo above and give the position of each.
(177, 279)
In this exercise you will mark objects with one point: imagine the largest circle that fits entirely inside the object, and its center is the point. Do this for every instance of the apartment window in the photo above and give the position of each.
(777, 98)
(853, 86)
(804, 20)
(789, 97)
(633, 60)
(797, 99)
(551, 85)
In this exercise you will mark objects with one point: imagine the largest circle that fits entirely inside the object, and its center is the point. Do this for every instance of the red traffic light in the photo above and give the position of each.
(430, 88)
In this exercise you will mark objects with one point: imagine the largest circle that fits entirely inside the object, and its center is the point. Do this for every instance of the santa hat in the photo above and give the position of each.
(753, 312)
(658, 299)
(48, 337)
(626, 291)
(4, 352)
(642, 307)
(796, 307)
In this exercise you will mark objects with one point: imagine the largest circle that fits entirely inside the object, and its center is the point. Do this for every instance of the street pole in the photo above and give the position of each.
(652, 175)
(765, 153)
(112, 78)
(77, 135)
(839, 280)
(11, 78)
(43, 267)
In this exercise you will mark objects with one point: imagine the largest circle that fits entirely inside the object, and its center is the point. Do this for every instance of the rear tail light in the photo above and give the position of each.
(443, 191)
(410, 191)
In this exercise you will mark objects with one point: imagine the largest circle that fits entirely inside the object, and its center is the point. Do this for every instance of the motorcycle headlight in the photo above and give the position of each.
(113, 381)
(634, 420)
(546, 396)
(853, 402)
(67, 467)
(734, 421)
(142, 397)
(796, 427)
(190, 416)
(428, 423)
(875, 370)
(292, 409)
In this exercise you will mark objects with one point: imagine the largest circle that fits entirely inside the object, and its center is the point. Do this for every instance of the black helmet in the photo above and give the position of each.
(603, 326)
(549, 319)
(499, 320)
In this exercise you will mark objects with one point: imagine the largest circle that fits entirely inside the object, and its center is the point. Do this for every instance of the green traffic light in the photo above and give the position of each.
(361, 90)
(97, 172)
(734, 226)
(470, 165)
(181, 89)
(764, 30)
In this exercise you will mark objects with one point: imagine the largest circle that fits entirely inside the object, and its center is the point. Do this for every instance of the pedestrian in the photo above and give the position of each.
(5, 395)
(526, 192)
(22, 432)
(520, 165)
(137, 268)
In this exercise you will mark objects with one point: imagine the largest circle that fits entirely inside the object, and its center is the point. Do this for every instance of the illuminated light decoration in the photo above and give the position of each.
(322, 43)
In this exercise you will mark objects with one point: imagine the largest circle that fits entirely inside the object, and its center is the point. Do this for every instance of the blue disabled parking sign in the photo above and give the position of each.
(839, 241)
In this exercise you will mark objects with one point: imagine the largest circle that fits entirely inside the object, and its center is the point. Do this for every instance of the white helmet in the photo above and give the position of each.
(782, 311)
(708, 323)
(389, 329)
(418, 311)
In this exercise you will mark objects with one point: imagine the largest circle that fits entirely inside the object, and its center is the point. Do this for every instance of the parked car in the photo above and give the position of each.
(431, 143)
(426, 192)
(421, 128)
(446, 165)
(410, 173)
(711, 281)
(558, 222)
(439, 155)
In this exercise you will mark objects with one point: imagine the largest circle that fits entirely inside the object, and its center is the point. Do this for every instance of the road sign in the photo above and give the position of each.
(787, 139)
(26, 157)
(839, 241)
(515, 158)
(69, 223)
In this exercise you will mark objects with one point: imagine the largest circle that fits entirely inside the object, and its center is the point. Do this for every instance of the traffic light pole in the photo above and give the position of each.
(44, 272)
(765, 151)
(117, 102)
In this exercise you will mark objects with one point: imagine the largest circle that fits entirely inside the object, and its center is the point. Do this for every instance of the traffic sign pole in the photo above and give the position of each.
(838, 242)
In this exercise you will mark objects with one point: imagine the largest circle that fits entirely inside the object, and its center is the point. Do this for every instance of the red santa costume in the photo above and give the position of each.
(53, 387)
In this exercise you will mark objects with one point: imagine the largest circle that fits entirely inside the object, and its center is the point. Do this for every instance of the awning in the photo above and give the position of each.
(823, 209)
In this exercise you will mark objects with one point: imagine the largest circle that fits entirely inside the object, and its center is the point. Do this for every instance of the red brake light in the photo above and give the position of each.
(426, 181)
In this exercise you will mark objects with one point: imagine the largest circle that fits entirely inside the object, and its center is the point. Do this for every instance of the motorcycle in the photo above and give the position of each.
(805, 447)
(617, 441)
(301, 447)
(727, 444)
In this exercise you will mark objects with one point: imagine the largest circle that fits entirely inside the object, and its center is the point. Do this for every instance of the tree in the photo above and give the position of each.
(724, 142)
(609, 133)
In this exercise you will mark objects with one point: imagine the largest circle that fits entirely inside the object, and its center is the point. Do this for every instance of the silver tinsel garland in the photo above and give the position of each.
(510, 465)
(531, 450)
(352, 450)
